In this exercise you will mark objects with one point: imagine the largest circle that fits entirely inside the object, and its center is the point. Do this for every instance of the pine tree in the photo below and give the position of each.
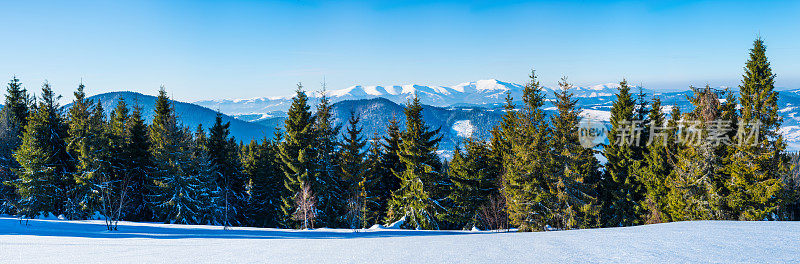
(354, 170)
(391, 166)
(657, 165)
(423, 185)
(474, 181)
(622, 193)
(575, 169)
(45, 173)
(297, 153)
(757, 162)
(223, 156)
(88, 143)
(376, 193)
(138, 164)
(260, 165)
(175, 198)
(528, 164)
(696, 186)
(118, 136)
(13, 118)
(328, 186)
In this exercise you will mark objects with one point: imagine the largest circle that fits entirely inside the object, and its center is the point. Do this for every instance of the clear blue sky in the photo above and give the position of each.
(228, 49)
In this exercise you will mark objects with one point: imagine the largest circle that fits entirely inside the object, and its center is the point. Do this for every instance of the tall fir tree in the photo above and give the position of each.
(696, 190)
(376, 192)
(422, 184)
(13, 118)
(528, 164)
(575, 169)
(621, 192)
(297, 153)
(656, 166)
(328, 185)
(45, 176)
(222, 152)
(391, 166)
(138, 164)
(88, 144)
(354, 172)
(175, 198)
(757, 162)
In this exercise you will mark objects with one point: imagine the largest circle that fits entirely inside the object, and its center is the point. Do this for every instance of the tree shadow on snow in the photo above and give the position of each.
(97, 229)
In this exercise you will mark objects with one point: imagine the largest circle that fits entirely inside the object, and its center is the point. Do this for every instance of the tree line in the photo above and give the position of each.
(533, 173)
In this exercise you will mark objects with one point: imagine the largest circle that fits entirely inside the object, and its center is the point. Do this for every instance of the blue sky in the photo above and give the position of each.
(242, 49)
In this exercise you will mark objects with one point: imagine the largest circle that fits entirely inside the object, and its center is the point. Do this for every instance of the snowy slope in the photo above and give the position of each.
(54, 241)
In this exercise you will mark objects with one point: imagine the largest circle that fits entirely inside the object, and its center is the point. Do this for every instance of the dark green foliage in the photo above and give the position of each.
(175, 198)
(657, 165)
(375, 191)
(354, 173)
(696, 185)
(297, 153)
(475, 178)
(13, 118)
(137, 164)
(528, 164)
(45, 175)
(328, 185)
(575, 169)
(90, 146)
(423, 185)
(622, 192)
(261, 168)
(223, 158)
(390, 166)
(757, 163)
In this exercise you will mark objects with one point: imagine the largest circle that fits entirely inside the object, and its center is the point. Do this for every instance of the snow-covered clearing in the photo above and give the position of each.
(49, 241)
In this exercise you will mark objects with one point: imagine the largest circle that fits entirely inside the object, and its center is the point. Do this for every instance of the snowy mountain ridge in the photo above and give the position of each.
(481, 92)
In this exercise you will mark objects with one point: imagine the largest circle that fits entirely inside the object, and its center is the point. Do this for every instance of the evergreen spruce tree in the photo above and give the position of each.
(138, 164)
(222, 152)
(527, 166)
(260, 165)
(622, 192)
(297, 153)
(354, 172)
(88, 143)
(575, 169)
(13, 118)
(118, 137)
(423, 186)
(175, 198)
(45, 175)
(757, 162)
(391, 166)
(474, 181)
(330, 189)
(656, 166)
(376, 193)
(696, 190)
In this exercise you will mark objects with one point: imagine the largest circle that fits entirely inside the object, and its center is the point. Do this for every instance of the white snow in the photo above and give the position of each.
(55, 241)
(464, 128)
(596, 115)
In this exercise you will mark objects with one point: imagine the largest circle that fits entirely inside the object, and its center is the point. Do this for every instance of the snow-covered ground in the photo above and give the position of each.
(56, 241)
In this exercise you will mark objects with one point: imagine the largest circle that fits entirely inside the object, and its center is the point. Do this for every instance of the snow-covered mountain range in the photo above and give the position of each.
(477, 93)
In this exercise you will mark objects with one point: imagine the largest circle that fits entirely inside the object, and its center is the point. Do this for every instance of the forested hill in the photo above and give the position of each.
(189, 114)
